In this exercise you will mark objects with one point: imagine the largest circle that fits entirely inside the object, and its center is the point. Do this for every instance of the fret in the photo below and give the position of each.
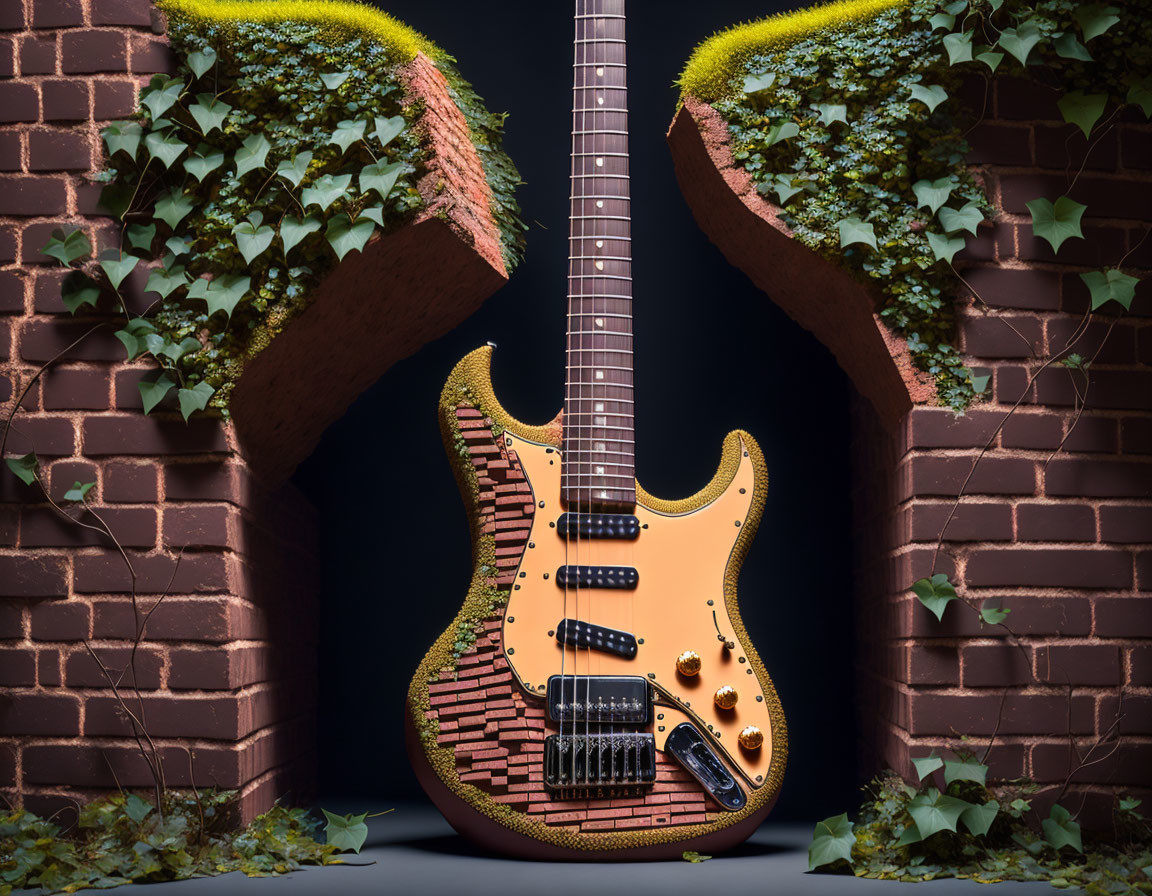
(601, 40)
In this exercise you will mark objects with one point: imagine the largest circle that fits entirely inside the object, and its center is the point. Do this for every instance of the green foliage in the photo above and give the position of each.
(122, 839)
(935, 593)
(79, 491)
(893, 157)
(992, 613)
(694, 857)
(345, 833)
(26, 467)
(1110, 286)
(971, 831)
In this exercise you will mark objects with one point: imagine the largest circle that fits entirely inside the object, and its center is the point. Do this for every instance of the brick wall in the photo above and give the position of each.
(228, 666)
(1067, 542)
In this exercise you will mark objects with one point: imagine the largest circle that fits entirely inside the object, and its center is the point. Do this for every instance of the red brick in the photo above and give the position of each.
(131, 434)
(76, 389)
(1000, 144)
(940, 428)
(113, 99)
(1106, 197)
(1082, 664)
(151, 56)
(1123, 617)
(975, 714)
(63, 474)
(1049, 568)
(1001, 335)
(1032, 431)
(108, 766)
(1055, 522)
(48, 436)
(11, 292)
(1097, 435)
(7, 255)
(1114, 389)
(94, 51)
(33, 576)
(202, 482)
(177, 619)
(28, 195)
(17, 668)
(1016, 288)
(10, 152)
(1098, 478)
(65, 100)
(204, 526)
(931, 475)
(996, 665)
(214, 718)
(1103, 342)
(209, 670)
(134, 527)
(1126, 524)
(1140, 665)
(82, 671)
(1136, 435)
(1064, 148)
(928, 665)
(49, 715)
(68, 620)
(12, 620)
(38, 56)
(127, 483)
(12, 17)
(58, 150)
(1132, 764)
(57, 13)
(1102, 246)
(1135, 148)
(46, 292)
(122, 12)
(106, 573)
(1134, 715)
(972, 521)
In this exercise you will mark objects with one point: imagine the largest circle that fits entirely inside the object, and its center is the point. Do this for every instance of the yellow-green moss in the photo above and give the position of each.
(339, 15)
(720, 59)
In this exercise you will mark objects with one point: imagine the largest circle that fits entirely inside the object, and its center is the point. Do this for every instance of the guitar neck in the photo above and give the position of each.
(599, 432)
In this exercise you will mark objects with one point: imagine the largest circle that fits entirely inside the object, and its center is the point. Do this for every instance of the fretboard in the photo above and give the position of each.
(599, 436)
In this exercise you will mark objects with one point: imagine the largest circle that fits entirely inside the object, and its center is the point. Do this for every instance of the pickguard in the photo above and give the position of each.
(682, 560)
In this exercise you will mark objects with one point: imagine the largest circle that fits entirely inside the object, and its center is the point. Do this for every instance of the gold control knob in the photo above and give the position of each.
(726, 697)
(688, 663)
(751, 738)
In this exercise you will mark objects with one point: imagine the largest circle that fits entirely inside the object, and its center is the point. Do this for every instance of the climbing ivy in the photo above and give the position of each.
(855, 132)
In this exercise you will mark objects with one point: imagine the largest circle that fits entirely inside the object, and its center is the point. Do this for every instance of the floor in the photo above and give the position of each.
(414, 851)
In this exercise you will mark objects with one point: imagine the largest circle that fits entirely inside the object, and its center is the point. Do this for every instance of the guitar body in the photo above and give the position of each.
(486, 731)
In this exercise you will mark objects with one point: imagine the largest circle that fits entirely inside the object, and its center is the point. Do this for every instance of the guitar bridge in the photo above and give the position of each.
(584, 762)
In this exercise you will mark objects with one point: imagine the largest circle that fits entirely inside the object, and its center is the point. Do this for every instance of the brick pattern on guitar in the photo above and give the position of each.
(497, 736)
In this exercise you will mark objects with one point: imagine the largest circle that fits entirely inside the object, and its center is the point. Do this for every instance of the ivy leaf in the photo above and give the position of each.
(166, 147)
(925, 765)
(67, 247)
(165, 281)
(942, 20)
(931, 194)
(174, 351)
(137, 808)
(966, 768)
(1096, 19)
(1020, 41)
(694, 857)
(209, 113)
(25, 467)
(911, 835)
(934, 811)
(252, 154)
(79, 290)
(346, 833)
(1067, 47)
(1061, 831)
(992, 614)
(832, 840)
(333, 80)
(935, 593)
(380, 177)
(1082, 109)
(1056, 222)
(194, 399)
(931, 96)
(944, 248)
(140, 236)
(116, 199)
(990, 58)
(173, 207)
(853, 230)
(374, 213)
(179, 246)
(347, 133)
(781, 185)
(979, 381)
(326, 190)
(203, 161)
(830, 113)
(1140, 94)
(161, 95)
(253, 236)
(116, 266)
(294, 171)
(153, 393)
(785, 130)
(293, 230)
(388, 129)
(758, 83)
(79, 491)
(1110, 285)
(966, 218)
(122, 136)
(346, 235)
(978, 819)
(222, 293)
(133, 335)
(959, 47)
(201, 61)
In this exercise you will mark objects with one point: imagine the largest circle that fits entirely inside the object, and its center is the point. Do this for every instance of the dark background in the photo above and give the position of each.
(713, 353)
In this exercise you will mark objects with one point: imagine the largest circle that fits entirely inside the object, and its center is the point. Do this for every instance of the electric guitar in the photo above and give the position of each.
(597, 696)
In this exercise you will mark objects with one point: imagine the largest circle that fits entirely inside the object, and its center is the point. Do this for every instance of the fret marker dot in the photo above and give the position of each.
(600, 204)
(600, 100)
(599, 265)
(599, 162)
(599, 321)
(600, 470)
(599, 374)
(599, 244)
(600, 446)
(599, 406)
(599, 73)
(601, 421)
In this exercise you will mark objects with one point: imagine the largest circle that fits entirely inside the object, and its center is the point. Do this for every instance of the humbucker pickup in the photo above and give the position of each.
(599, 760)
(596, 637)
(598, 525)
(602, 699)
(619, 577)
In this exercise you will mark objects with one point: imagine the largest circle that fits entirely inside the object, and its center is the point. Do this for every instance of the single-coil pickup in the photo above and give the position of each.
(619, 577)
(599, 699)
(596, 637)
(598, 525)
